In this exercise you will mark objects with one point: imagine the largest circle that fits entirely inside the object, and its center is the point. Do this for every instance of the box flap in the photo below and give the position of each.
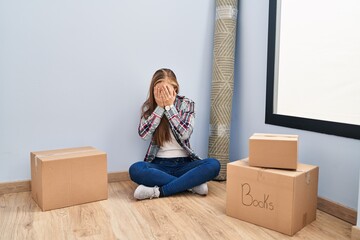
(292, 173)
(66, 153)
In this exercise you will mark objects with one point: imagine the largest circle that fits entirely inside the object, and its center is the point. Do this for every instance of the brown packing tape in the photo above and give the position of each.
(308, 178)
(304, 219)
(260, 172)
(36, 164)
(65, 153)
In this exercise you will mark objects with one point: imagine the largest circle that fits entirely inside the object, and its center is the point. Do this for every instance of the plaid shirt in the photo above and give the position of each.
(181, 119)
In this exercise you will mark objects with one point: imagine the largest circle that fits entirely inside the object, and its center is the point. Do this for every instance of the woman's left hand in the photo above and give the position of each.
(168, 94)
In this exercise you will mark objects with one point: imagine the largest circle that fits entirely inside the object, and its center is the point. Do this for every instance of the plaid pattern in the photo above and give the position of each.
(181, 119)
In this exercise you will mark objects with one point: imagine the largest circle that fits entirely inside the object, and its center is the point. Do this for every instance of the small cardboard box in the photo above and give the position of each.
(273, 150)
(281, 200)
(67, 177)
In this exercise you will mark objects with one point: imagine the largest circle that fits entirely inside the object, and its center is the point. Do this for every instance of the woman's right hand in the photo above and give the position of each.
(158, 98)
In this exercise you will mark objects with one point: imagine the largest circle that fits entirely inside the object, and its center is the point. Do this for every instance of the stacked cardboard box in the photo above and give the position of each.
(67, 177)
(270, 188)
(273, 151)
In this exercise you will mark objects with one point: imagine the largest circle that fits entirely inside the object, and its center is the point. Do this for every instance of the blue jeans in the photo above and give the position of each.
(174, 175)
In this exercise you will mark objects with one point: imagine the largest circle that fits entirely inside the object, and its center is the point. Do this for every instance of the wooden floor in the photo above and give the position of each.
(185, 216)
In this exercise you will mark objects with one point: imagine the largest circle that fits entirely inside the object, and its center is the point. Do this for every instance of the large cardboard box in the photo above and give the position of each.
(281, 200)
(67, 177)
(273, 150)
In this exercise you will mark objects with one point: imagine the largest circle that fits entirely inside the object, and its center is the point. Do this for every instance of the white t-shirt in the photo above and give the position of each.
(171, 149)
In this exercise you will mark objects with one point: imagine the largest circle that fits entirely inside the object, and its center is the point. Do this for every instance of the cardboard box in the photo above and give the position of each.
(273, 150)
(67, 177)
(281, 200)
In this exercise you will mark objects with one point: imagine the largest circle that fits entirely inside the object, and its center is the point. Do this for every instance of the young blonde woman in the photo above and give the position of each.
(170, 165)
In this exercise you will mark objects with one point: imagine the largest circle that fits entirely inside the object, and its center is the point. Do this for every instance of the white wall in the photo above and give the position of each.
(337, 157)
(75, 73)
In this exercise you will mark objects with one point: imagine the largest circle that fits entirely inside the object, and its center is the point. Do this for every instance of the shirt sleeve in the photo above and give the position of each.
(182, 121)
(148, 125)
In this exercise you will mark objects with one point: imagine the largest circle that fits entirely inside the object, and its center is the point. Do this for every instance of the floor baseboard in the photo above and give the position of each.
(118, 176)
(344, 213)
(15, 187)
